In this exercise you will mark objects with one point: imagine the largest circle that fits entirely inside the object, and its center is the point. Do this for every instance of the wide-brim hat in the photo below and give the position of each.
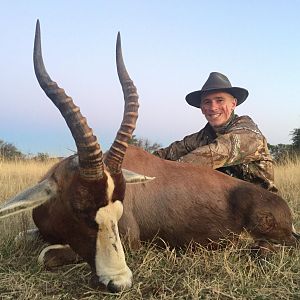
(217, 82)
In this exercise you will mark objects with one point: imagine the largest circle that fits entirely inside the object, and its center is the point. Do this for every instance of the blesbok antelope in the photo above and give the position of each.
(184, 203)
(83, 211)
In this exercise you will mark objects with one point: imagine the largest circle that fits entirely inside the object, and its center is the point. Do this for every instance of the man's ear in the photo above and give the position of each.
(200, 107)
(234, 103)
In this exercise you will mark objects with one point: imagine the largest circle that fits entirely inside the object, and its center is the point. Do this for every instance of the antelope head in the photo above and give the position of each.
(79, 201)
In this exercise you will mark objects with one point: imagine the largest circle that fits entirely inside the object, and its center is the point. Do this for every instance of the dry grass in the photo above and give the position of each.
(288, 181)
(158, 273)
(19, 174)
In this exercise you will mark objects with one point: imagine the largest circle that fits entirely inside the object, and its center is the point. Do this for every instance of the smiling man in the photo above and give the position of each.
(228, 143)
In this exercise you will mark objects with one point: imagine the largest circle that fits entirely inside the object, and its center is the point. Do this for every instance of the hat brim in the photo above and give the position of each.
(240, 94)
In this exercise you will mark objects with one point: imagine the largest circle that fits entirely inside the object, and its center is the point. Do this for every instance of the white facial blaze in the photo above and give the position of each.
(110, 258)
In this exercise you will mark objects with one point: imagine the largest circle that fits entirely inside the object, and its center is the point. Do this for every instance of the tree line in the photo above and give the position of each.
(279, 152)
(9, 151)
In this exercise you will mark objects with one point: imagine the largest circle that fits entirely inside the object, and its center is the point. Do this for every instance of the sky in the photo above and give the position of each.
(169, 48)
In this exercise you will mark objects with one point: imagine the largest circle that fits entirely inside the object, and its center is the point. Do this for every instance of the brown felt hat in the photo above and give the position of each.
(217, 82)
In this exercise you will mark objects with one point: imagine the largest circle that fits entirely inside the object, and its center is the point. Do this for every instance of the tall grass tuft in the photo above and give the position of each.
(159, 273)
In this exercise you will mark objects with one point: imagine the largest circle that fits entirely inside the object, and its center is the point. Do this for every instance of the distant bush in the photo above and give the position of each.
(144, 143)
(9, 151)
(41, 156)
(285, 152)
(280, 152)
(296, 140)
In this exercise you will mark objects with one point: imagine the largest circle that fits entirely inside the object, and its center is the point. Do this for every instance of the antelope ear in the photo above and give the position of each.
(30, 198)
(266, 221)
(132, 177)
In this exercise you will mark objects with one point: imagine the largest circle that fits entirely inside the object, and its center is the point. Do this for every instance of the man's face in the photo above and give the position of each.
(217, 107)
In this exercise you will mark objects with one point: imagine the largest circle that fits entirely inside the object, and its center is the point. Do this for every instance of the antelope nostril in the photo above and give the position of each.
(96, 284)
(113, 288)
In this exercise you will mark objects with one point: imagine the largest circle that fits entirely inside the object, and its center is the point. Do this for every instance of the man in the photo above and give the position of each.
(228, 143)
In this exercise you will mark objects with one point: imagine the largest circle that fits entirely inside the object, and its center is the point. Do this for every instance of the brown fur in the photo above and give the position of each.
(184, 203)
(70, 218)
(187, 202)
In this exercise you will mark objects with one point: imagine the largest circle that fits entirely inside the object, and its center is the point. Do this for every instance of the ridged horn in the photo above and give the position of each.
(89, 151)
(117, 151)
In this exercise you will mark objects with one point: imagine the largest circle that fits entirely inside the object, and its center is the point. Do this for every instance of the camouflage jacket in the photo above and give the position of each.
(238, 149)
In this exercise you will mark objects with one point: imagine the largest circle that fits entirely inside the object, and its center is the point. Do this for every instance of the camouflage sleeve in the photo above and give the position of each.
(229, 149)
(180, 148)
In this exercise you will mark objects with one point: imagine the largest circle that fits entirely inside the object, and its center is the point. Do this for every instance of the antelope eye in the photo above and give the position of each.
(88, 216)
(91, 223)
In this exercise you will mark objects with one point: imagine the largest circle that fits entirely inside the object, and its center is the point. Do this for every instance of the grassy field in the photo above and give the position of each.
(230, 273)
